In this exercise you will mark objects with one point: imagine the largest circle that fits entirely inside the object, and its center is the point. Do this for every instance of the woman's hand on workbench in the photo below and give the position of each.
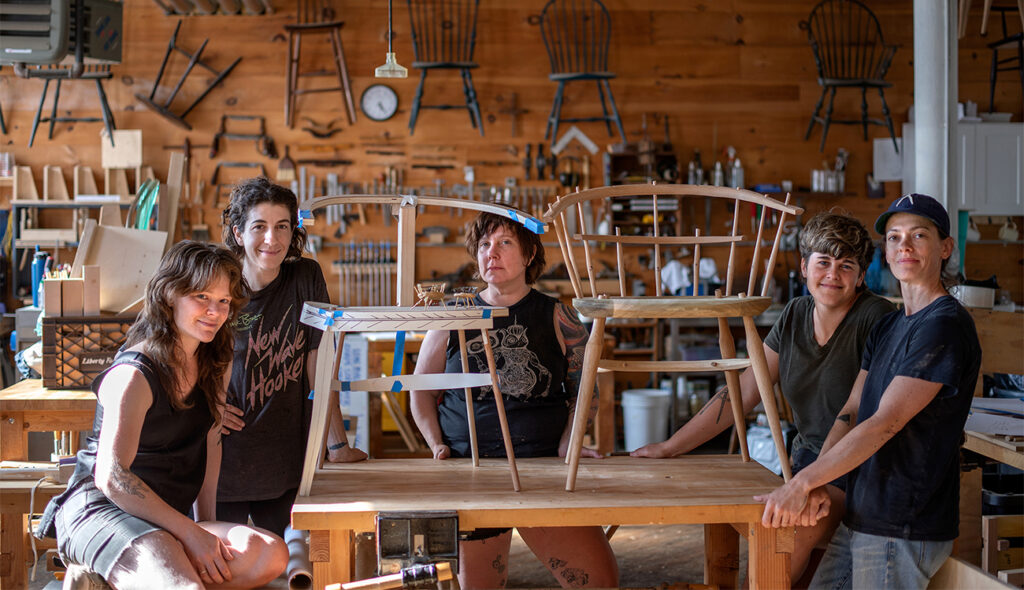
(232, 419)
(441, 451)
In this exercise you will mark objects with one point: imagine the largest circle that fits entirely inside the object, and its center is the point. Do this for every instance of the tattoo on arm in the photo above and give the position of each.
(844, 418)
(722, 399)
(575, 336)
(127, 482)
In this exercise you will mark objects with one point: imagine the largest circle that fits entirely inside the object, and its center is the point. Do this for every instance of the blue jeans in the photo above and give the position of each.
(858, 560)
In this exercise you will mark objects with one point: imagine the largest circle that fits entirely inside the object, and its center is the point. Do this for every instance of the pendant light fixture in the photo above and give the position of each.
(390, 69)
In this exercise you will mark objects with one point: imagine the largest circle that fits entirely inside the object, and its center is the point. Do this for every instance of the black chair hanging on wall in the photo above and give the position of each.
(1014, 44)
(443, 38)
(849, 52)
(576, 35)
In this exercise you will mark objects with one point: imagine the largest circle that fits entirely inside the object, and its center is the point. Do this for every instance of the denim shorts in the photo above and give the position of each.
(92, 531)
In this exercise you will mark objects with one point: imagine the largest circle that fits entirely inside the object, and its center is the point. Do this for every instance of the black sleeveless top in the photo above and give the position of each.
(171, 458)
(531, 376)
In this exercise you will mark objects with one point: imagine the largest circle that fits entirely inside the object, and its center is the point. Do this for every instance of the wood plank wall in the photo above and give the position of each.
(729, 72)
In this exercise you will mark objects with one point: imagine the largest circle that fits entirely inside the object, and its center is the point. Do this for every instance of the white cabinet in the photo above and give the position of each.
(990, 167)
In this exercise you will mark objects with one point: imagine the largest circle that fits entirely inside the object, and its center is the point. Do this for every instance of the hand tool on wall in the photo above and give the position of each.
(322, 130)
(527, 162)
(540, 162)
(194, 60)
(286, 168)
(216, 176)
(264, 143)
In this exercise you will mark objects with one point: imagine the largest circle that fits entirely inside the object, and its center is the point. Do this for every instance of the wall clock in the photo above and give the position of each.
(379, 102)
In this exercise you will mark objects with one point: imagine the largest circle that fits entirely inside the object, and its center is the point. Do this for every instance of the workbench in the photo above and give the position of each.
(27, 407)
(714, 490)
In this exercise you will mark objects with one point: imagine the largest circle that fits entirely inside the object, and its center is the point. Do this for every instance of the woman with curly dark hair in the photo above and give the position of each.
(268, 404)
(155, 451)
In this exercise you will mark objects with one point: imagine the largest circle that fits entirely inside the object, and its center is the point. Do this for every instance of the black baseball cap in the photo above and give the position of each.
(918, 204)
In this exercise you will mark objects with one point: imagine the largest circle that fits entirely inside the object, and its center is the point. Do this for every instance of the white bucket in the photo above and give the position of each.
(645, 416)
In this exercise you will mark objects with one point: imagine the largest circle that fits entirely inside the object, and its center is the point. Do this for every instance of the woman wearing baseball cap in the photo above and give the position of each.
(899, 433)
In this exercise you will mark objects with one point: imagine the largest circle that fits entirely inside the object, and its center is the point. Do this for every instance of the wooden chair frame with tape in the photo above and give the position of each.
(340, 320)
(601, 307)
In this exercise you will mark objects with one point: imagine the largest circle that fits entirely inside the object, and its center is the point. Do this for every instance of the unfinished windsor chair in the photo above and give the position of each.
(601, 307)
(336, 321)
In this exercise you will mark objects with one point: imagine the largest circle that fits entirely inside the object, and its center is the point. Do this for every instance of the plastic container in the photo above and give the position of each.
(645, 416)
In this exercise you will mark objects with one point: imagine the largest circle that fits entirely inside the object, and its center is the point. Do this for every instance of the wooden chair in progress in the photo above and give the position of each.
(336, 321)
(602, 307)
(315, 17)
(849, 52)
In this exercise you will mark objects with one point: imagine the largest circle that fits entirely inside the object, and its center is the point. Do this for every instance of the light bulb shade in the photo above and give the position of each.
(391, 69)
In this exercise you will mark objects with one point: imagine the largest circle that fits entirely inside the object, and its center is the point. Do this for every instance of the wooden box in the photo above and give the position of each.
(78, 348)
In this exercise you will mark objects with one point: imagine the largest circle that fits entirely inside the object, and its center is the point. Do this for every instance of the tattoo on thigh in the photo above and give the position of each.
(575, 577)
(498, 565)
(555, 563)
(127, 481)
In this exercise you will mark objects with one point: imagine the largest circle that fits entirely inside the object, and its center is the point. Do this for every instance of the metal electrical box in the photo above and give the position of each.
(41, 32)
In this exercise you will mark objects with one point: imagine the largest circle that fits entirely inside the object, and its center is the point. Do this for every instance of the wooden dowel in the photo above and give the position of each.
(696, 263)
(586, 256)
(759, 364)
(500, 404)
(657, 247)
(770, 267)
(469, 400)
(730, 271)
(752, 281)
(570, 259)
(621, 268)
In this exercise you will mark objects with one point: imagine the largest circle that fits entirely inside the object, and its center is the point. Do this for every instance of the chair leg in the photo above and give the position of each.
(759, 364)
(888, 120)
(864, 111)
(3, 124)
(992, 81)
(326, 369)
(108, 117)
(500, 404)
(470, 415)
(416, 102)
(817, 109)
(53, 112)
(615, 110)
(556, 113)
(39, 112)
(471, 100)
(343, 80)
(604, 109)
(828, 118)
(591, 358)
(732, 379)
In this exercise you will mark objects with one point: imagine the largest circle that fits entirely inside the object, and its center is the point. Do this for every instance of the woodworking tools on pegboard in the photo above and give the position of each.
(264, 143)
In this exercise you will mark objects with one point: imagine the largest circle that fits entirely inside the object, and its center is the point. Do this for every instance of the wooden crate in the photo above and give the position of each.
(78, 348)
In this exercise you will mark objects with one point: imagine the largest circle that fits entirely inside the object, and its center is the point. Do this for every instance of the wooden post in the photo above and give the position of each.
(721, 555)
(769, 555)
(326, 371)
(406, 255)
(330, 552)
(732, 379)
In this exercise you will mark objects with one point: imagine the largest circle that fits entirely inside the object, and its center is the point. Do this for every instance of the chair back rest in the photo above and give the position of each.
(310, 12)
(635, 205)
(576, 35)
(847, 41)
(443, 30)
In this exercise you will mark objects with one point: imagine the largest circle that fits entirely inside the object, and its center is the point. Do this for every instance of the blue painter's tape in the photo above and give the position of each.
(311, 392)
(534, 225)
(396, 367)
(346, 386)
(396, 386)
(328, 322)
(305, 214)
(487, 313)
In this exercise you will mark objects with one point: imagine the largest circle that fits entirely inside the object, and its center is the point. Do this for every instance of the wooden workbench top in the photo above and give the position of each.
(615, 490)
(29, 395)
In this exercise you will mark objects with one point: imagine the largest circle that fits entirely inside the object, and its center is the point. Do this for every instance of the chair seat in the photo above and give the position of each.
(315, 27)
(869, 82)
(426, 65)
(570, 76)
(671, 307)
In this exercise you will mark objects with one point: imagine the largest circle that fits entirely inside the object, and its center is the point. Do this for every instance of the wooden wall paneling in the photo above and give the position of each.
(735, 72)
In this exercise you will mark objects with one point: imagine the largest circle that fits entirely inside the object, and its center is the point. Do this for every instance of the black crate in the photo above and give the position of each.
(78, 348)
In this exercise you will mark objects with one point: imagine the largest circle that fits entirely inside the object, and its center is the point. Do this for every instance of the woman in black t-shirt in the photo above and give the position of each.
(156, 450)
(538, 351)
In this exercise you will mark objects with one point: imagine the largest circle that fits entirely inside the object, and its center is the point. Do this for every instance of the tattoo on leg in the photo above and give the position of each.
(576, 577)
(127, 481)
(843, 418)
(498, 565)
(555, 563)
